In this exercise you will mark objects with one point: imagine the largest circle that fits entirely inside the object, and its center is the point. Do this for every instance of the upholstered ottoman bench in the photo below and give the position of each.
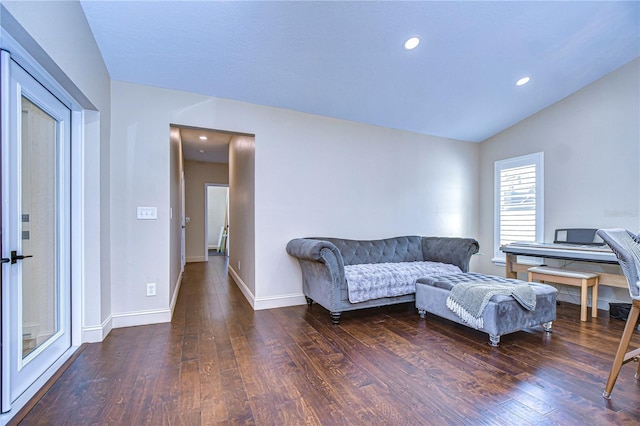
(503, 314)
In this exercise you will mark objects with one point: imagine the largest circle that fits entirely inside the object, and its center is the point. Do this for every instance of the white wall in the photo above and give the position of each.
(591, 145)
(313, 176)
(140, 176)
(197, 174)
(344, 179)
(66, 48)
(242, 213)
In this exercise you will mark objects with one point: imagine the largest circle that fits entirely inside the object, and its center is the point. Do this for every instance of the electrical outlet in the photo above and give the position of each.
(151, 289)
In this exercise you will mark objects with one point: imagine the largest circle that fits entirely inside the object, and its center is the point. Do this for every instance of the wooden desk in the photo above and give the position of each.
(591, 256)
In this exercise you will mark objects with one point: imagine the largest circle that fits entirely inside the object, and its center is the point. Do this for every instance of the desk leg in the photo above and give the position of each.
(511, 259)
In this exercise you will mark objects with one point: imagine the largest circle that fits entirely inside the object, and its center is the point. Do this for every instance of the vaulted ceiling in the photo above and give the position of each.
(345, 59)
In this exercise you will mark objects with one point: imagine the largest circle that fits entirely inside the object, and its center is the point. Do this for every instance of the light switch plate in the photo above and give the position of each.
(147, 213)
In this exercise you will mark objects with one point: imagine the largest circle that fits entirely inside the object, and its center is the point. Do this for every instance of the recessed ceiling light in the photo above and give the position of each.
(203, 138)
(522, 81)
(412, 43)
(202, 151)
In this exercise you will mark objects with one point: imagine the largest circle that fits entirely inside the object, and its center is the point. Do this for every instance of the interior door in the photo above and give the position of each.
(35, 169)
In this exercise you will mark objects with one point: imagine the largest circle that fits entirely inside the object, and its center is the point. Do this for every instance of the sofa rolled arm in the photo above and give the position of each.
(456, 251)
(322, 270)
(310, 249)
(317, 250)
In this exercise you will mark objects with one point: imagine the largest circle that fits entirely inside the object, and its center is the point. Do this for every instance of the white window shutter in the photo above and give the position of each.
(519, 200)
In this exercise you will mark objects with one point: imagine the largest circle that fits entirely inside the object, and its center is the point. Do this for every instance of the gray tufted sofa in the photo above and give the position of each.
(322, 261)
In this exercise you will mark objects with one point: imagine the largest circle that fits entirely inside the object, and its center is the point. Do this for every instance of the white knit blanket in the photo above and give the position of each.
(375, 280)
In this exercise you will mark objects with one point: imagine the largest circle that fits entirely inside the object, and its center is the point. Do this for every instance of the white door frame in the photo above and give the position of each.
(24, 370)
(24, 58)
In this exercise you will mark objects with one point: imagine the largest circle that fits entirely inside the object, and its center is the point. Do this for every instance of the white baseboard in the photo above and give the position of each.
(193, 259)
(174, 299)
(270, 302)
(279, 301)
(242, 286)
(131, 319)
(97, 333)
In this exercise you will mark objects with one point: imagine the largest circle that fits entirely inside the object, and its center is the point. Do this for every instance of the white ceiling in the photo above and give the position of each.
(345, 59)
(214, 149)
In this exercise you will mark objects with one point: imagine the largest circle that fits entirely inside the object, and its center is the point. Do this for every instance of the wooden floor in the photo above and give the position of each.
(219, 362)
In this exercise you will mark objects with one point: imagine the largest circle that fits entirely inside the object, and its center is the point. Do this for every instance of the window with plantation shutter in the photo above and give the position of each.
(518, 201)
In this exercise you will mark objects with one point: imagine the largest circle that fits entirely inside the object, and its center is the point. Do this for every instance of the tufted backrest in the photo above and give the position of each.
(398, 249)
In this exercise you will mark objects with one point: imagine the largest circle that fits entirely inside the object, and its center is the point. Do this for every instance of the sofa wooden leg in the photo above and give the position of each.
(335, 317)
(309, 300)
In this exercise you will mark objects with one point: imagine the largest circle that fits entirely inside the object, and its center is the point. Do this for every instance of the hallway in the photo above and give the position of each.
(219, 362)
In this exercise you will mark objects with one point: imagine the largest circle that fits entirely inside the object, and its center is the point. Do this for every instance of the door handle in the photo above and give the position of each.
(15, 257)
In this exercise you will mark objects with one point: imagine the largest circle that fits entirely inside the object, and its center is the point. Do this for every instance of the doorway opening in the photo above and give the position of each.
(201, 160)
(201, 156)
(216, 220)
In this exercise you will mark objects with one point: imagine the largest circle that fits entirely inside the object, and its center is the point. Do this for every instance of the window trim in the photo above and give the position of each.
(536, 159)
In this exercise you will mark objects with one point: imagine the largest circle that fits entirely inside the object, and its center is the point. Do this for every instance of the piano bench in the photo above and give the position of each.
(584, 280)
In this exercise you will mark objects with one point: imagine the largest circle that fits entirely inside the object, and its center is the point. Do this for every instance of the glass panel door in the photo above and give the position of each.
(35, 232)
(38, 220)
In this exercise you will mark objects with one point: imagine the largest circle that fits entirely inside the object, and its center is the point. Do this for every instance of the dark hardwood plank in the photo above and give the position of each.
(221, 363)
